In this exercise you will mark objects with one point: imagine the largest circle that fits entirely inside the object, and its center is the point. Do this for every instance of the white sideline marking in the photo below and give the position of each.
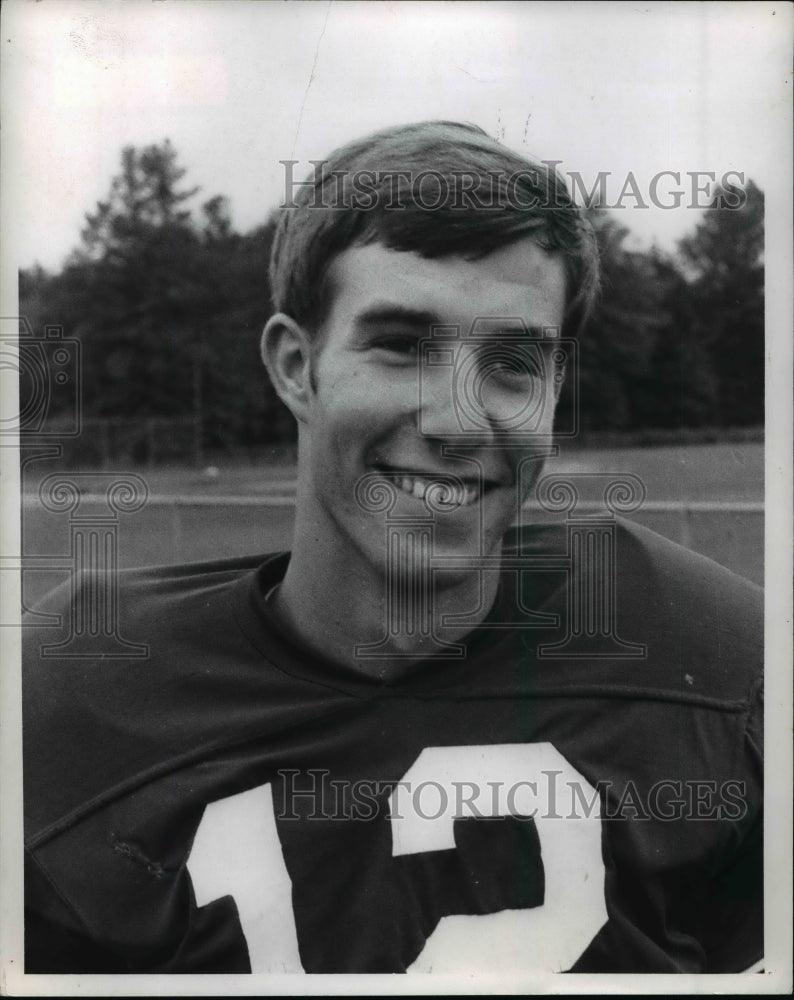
(288, 500)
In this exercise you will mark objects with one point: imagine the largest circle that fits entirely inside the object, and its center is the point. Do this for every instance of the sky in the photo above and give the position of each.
(238, 86)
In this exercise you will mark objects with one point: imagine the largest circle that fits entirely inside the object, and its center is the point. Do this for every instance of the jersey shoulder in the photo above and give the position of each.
(695, 619)
(144, 671)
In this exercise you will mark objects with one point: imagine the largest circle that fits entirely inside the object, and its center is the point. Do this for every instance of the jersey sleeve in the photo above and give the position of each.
(733, 927)
(56, 942)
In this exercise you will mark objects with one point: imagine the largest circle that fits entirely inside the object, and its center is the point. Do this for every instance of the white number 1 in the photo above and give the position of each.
(236, 851)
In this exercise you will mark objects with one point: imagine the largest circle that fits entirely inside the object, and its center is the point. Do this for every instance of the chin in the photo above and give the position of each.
(415, 549)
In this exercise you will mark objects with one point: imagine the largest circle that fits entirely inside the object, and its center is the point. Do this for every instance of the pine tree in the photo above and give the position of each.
(616, 346)
(168, 309)
(724, 259)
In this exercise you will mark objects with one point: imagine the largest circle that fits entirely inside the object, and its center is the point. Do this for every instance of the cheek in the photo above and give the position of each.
(341, 379)
(359, 393)
(349, 417)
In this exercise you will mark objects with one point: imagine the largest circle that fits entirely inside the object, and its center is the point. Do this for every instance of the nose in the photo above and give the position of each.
(483, 393)
(439, 407)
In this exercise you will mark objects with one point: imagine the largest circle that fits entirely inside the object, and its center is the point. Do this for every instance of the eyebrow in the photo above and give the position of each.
(512, 326)
(384, 313)
(392, 313)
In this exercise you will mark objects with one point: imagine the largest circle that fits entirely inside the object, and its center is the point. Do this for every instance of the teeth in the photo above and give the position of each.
(449, 494)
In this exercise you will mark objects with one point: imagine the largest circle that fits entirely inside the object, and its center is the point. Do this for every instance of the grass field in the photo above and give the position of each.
(171, 530)
(692, 472)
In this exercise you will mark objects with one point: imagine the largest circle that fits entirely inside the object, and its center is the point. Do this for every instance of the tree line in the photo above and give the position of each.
(168, 303)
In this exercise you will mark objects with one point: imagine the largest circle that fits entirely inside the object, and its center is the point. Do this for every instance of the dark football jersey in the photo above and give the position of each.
(559, 795)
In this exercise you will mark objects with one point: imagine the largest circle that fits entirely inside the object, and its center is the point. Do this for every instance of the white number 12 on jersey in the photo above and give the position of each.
(237, 851)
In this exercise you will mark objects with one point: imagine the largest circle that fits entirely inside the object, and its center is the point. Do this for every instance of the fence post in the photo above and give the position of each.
(104, 443)
(686, 525)
(150, 443)
(198, 430)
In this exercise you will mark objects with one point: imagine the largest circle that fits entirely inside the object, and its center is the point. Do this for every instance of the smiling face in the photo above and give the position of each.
(374, 413)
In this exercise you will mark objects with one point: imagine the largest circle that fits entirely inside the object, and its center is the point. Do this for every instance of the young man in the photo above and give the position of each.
(425, 739)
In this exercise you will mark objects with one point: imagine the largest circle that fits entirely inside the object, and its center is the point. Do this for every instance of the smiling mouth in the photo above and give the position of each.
(448, 490)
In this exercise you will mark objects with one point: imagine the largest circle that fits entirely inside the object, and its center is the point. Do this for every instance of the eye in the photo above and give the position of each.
(399, 346)
(511, 366)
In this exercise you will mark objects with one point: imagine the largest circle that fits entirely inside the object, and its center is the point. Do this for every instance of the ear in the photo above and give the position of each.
(285, 349)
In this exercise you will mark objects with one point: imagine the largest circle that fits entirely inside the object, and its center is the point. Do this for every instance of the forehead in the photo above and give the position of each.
(519, 280)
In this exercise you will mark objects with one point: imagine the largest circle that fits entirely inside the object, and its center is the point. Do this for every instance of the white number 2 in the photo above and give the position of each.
(237, 851)
(530, 779)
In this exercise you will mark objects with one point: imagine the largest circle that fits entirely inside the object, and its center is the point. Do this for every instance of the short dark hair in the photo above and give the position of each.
(371, 191)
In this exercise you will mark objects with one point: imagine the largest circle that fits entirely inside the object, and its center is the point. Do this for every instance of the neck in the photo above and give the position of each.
(336, 601)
